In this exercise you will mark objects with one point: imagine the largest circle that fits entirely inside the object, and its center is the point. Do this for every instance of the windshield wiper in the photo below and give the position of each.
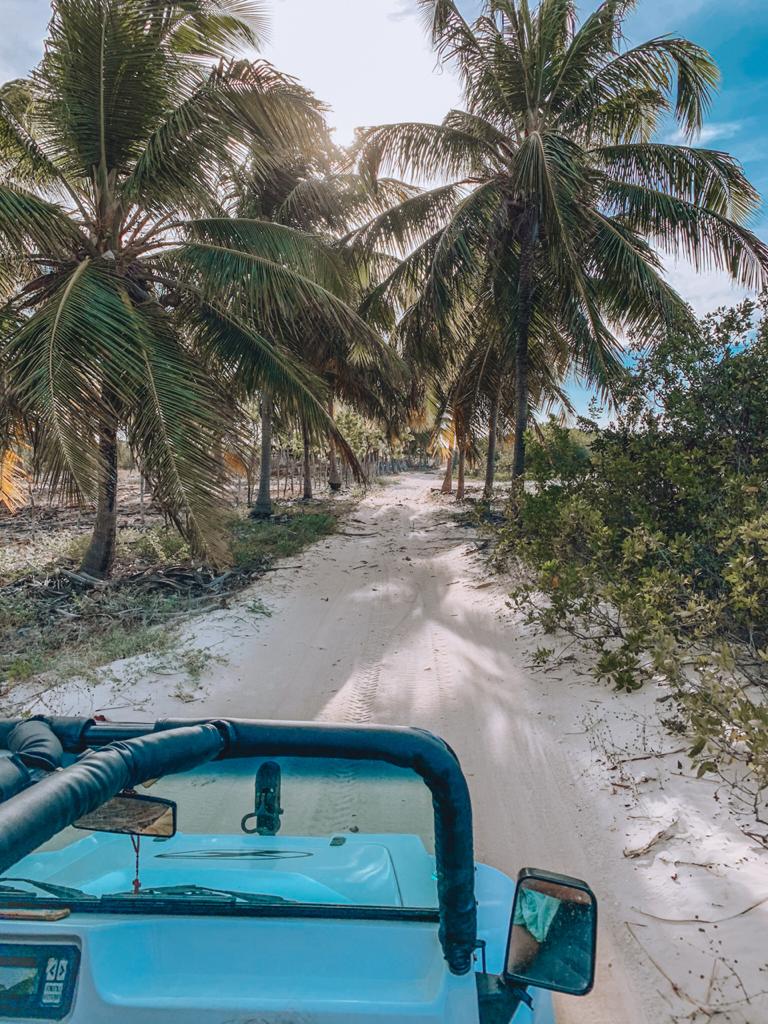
(61, 892)
(181, 891)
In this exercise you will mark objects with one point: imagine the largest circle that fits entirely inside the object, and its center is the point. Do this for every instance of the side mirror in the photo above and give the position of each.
(132, 814)
(553, 933)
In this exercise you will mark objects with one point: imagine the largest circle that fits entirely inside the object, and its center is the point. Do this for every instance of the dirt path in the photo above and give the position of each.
(393, 621)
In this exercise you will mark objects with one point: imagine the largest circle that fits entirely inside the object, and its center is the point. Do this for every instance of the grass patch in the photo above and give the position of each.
(71, 633)
(54, 626)
(135, 547)
(286, 534)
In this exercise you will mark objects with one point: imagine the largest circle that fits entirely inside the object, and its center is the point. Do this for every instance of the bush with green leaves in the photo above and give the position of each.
(648, 538)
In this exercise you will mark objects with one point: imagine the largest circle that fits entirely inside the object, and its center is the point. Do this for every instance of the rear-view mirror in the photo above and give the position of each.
(132, 814)
(553, 933)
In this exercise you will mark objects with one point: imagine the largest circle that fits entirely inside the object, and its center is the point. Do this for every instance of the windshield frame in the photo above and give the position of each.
(123, 755)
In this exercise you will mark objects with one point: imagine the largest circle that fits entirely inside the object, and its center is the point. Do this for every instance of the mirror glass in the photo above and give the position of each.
(133, 814)
(552, 935)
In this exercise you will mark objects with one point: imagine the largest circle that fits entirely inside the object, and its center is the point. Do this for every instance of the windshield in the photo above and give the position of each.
(254, 832)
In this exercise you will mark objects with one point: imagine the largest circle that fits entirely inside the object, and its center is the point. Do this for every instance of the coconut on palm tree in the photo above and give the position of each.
(134, 304)
(557, 193)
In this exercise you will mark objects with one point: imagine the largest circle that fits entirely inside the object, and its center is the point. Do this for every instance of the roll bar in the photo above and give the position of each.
(120, 755)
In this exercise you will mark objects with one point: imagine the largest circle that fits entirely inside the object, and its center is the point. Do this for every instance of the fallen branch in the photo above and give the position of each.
(679, 992)
(649, 757)
(665, 833)
(702, 920)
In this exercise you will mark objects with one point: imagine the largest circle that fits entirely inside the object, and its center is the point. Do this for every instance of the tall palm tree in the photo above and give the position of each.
(307, 190)
(557, 192)
(133, 301)
(454, 333)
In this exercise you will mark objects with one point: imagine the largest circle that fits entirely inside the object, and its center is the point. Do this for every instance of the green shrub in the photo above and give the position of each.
(646, 540)
(159, 544)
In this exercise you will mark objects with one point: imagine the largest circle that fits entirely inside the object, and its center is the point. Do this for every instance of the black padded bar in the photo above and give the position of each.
(416, 749)
(37, 814)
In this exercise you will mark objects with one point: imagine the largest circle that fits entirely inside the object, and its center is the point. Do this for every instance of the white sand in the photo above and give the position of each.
(400, 624)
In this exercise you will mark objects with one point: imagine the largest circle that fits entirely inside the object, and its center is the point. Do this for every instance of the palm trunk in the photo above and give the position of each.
(462, 467)
(447, 487)
(490, 465)
(100, 555)
(334, 477)
(263, 507)
(525, 310)
(307, 469)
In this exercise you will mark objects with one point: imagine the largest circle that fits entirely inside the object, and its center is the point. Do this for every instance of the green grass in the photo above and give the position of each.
(90, 630)
(288, 533)
(71, 632)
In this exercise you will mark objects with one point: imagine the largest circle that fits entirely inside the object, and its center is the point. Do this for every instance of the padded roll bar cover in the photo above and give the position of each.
(13, 777)
(69, 731)
(36, 745)
(188, 747)
(40, 812)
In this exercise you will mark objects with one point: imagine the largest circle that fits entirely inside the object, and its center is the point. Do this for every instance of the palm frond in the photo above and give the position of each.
(175, 425)
(210, 28)
(707, 178)
(253, 363)
(279, 244)
(681, 228)
(654, 66)
(627, 274)
(27, 221)
(21, 156)
(270, 292)
(426, 151)
(60, 364)
(406, 225)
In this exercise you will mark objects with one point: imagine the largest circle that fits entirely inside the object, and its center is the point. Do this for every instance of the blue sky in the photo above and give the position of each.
(736, 33)
(370, 61)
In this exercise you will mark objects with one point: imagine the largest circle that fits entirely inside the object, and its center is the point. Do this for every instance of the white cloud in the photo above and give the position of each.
(367, 59)
(720, 130)
(704, 290)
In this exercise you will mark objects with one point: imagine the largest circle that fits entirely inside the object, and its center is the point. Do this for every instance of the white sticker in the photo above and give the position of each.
(53, 993)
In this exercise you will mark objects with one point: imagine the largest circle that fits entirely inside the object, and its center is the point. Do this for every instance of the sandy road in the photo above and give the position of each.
(392, 621)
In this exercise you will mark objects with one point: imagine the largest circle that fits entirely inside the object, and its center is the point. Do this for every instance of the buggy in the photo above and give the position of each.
(233, 871)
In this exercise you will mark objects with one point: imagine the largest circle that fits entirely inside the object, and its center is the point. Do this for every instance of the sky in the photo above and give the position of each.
(370, 61)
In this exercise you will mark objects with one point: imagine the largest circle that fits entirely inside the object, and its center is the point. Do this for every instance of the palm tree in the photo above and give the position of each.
(558, 196)
(476, 398)
(307, 190)
(134, 303)
(453, 333)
